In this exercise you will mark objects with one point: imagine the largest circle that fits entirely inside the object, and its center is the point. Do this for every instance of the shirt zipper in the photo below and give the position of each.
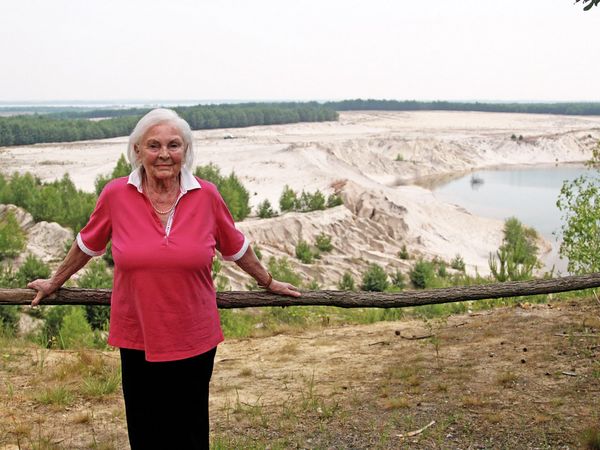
(170, 218)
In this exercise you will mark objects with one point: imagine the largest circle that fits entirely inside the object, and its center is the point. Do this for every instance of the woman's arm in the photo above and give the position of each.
(74, 261)
(250, 264)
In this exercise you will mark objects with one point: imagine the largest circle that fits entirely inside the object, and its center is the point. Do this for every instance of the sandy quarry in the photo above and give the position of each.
(376, 158)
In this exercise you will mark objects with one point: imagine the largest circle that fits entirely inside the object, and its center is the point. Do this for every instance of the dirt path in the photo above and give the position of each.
(522, 377)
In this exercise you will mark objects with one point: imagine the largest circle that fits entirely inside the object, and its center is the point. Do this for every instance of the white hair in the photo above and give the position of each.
(156, 117)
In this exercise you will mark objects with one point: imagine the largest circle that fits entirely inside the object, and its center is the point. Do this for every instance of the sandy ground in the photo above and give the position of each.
(378, 156)
(524, 377)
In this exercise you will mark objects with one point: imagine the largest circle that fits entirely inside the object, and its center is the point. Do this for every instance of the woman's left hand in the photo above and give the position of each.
(279, 287)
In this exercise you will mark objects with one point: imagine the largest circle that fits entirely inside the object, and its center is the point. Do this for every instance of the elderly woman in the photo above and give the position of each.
(164, 225)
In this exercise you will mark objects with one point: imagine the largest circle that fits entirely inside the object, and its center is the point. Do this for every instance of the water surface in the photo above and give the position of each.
(527, 193)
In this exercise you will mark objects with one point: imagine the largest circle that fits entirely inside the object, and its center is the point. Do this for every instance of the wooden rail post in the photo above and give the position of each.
(344, 299)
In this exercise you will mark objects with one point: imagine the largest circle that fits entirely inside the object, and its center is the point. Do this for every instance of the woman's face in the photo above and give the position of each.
(161, 151)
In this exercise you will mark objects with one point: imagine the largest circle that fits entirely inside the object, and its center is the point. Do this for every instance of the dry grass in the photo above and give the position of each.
(82, 417)
(591, 438)
(396, 403)
(246, 372)
(342, 388)
(506, 379)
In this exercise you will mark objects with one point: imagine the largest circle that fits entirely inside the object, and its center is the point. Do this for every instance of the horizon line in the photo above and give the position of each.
(175, 102)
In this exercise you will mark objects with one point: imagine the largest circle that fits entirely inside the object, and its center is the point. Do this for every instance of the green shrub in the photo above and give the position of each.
(257, 252)
(236, 197)
(236, 323)
(375, 279)
(221, 282)
(422, 274)
(8, 277)
(307, 201)
(310, 202)
(75, 331)
(288, 199)
(12, 237)
(458, 263)
(399, 157)
(334, 200)
(441, 270)
(232, 190)
(398, 280)
(265, 211)
(209, 172)
(313, 286)
(303, 252)
(96, 276)
(347, 282)
(67, 246)
(217, 265)
(9, 319)
(21, 190)
(32, 269)
(53, 319)
(579, 203)
(281, 271)
(323, 242)
(3, 184)
(517, 256)
(316, 201)
(122, 169)
(252, 285)
(302, 202)
(58, 201)
(403, 253)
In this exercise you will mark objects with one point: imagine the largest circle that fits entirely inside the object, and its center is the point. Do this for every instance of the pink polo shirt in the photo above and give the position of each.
(163, 299)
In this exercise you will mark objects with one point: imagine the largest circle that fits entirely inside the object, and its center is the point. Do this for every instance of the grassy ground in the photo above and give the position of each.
(521, 376)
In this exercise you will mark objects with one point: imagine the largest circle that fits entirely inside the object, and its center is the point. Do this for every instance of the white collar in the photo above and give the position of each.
(188, 180)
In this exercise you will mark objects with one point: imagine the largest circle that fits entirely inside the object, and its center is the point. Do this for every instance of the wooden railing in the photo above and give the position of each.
(344, 299)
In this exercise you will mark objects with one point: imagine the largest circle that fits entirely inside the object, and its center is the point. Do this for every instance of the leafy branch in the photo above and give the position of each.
(589, 5)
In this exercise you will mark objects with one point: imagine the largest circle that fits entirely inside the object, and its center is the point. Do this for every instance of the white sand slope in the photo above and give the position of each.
(377, 157)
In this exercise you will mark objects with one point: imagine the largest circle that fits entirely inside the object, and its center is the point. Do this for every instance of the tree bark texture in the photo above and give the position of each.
(344, 299)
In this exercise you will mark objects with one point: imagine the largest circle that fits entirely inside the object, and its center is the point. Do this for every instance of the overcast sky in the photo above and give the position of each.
(304, 50)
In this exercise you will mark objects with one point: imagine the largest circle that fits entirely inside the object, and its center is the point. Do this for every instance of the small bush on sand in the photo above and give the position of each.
(375, 279)
(422, 274)
(347, 282)
(323, 242)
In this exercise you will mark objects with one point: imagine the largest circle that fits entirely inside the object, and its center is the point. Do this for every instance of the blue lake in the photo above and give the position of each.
(528, 194)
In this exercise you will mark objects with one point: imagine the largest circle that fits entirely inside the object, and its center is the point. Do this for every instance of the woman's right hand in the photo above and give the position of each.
(44, 288)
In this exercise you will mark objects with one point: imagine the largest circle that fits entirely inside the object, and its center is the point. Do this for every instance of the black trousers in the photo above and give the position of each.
(166, 403)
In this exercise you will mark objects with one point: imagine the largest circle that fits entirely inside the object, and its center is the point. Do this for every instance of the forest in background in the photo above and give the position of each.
(44, 124)
(566, 108)
(76, 125)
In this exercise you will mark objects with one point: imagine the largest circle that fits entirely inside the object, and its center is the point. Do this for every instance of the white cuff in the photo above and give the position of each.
(239, 254)
(86, 250)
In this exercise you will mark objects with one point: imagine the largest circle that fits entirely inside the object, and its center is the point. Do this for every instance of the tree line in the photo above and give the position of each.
(566, 108)
(76, 125)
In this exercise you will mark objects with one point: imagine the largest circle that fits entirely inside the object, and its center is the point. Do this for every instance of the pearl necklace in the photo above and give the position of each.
(162, 213)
